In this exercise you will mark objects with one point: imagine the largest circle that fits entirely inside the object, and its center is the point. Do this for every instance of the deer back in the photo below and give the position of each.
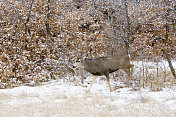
(119, 61)
(103, 65)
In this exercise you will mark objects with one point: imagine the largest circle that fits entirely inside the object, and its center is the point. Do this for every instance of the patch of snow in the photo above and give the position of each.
(64, 99)
(154, 65)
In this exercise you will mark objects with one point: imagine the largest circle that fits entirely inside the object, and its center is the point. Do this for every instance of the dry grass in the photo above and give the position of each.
(76, 107)
(97, 104)
(153, 75)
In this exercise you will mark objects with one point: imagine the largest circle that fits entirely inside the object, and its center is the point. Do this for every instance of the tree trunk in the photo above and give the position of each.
(166, 40)
(170, 63)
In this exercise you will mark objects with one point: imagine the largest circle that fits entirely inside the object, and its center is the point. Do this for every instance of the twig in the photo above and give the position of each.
(28, 18)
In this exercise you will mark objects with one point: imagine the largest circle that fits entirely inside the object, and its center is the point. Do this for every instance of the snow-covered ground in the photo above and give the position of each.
(63, 99)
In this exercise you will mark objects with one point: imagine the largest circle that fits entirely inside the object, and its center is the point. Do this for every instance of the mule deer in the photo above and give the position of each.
(106, 65)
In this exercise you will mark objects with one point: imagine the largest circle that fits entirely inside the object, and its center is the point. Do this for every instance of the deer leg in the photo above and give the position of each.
(107, 79)
(132, 68)
(93, 80)
(127, 71)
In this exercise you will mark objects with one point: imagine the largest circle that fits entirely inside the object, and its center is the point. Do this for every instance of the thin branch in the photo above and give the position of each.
(28, 18)
(48, 16)
(128, 27)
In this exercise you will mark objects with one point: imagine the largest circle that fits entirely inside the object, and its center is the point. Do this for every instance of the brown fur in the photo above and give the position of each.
(106, 65)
